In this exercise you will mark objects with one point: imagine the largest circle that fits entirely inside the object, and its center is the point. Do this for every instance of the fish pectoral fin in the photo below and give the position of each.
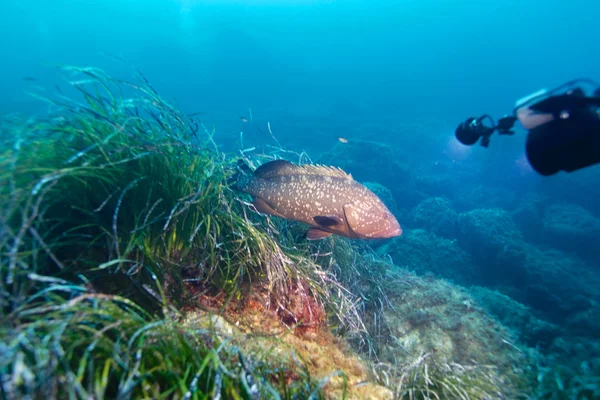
(316, 234)
(264, 208)
(328, 220)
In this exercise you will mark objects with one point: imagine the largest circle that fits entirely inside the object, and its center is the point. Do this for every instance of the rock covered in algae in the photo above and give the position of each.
(516, 316)
(432, 317)
(260, 334)
(432, 322)
(426, 253)
(437, 215)
(572, 228)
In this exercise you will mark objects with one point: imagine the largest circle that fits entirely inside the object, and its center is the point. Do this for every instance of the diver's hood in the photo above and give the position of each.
(545, 105)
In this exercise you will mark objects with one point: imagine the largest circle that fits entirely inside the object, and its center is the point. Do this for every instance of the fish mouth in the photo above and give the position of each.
(388, 233)
(396, 232)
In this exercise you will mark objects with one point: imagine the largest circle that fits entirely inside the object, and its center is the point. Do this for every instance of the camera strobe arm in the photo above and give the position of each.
(471, 130)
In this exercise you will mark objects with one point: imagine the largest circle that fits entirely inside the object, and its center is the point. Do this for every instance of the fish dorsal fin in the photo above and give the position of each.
(282, 167)
(323, 170)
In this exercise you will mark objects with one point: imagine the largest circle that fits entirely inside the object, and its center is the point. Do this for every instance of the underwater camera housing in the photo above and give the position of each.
(563, 124)
(471, 130)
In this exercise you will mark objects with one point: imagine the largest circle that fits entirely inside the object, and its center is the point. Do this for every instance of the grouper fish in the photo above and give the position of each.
(326, 198)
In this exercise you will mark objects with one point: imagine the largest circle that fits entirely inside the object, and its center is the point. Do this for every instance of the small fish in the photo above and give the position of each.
(29, 79)
(326, 198)
(343, 140)
(244, 119)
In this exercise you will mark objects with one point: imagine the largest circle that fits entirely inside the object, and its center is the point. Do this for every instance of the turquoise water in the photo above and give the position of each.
(393, 78)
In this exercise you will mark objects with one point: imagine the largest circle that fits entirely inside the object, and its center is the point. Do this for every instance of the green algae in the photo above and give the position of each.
(101, 346)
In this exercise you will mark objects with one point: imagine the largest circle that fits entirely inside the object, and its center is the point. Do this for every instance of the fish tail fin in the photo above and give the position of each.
(241, 177)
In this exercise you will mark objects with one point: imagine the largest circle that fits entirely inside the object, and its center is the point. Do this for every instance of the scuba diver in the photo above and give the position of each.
(563, 125)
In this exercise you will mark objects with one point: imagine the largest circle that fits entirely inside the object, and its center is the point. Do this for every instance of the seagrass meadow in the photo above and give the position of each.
(130, 269)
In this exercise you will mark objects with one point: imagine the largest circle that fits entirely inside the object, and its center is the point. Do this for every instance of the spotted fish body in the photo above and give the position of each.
(326, 198)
